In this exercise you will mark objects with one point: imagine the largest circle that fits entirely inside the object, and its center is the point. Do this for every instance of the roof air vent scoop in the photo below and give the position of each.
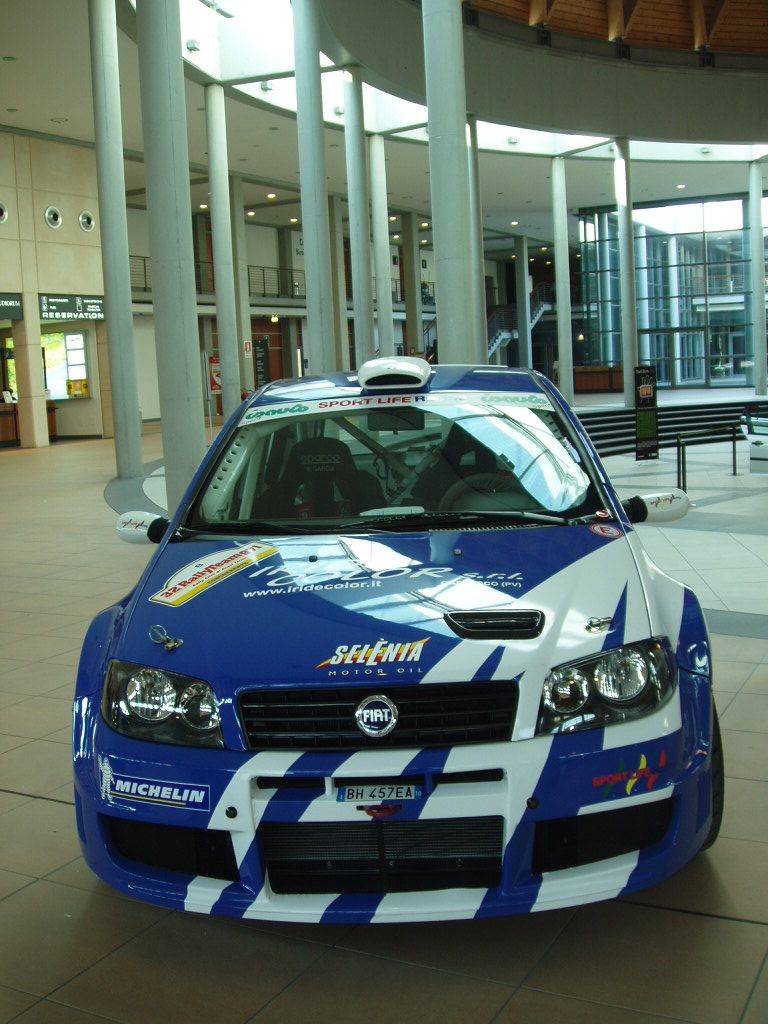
(394, 373)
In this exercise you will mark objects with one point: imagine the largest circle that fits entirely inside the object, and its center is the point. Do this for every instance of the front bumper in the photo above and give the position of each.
(501, 828)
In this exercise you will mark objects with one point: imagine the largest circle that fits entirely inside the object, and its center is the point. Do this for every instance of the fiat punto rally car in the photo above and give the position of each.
(399, 655)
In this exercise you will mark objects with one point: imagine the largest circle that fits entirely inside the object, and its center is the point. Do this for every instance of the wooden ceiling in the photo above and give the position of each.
(726, 26)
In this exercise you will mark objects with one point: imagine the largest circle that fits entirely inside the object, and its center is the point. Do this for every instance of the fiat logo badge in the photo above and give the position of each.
(376, 716)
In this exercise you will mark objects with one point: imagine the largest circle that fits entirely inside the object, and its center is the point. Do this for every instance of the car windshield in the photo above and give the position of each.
(363, 459)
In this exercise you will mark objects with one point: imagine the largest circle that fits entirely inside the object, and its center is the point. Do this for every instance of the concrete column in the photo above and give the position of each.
(562, 278)
(338, 286)
(320, 341)
(359, 216)
(673, 283)
(449, 178)
(757, 273)
(242, 290)
(623, 187)
(411, 257)
(643, 312)
(523, 303)
(381, 261)
(477, 254)
(170, 236)
(124, 411)
(221, 233)
(30, 383)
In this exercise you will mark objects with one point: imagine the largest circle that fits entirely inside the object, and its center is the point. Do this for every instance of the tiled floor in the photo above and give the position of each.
(74, 952)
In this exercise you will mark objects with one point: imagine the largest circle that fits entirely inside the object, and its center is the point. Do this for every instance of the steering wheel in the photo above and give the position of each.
(483, 491)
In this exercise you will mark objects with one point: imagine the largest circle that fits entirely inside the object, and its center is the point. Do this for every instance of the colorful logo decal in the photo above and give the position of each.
(376, 716)
(270, 412)
(603, 530)
(630, 778)
(118, 786)
(380, 653)
(194, 578)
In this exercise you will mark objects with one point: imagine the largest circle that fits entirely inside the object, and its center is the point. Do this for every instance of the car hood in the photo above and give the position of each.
(301, 611)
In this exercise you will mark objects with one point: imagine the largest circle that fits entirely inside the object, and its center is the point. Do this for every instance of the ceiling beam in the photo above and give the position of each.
(716, 17)
(615, 12)
(698, 24)
(539, 11)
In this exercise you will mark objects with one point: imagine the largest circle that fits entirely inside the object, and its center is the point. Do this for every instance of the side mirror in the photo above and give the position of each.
(141, 527)
(659, 507)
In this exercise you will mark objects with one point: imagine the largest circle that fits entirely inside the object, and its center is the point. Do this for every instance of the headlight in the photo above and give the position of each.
(162, 707)
(615, 686)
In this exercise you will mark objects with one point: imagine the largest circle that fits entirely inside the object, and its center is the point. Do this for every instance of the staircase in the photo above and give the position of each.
(612, 431)
(503, 320)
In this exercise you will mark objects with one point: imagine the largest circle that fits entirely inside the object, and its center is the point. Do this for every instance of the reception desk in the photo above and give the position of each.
(9, 423)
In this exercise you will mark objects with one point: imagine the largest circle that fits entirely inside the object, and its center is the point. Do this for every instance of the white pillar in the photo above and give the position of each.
(757, 267)
(523, 303)
(381, 261)
(359, 216)
(223, 265)
(562, 278)
(242, 287)
(107, 119)
(477, 256)
(319, 344)
(623, 187)
(411, 257)
(174, 297)
(338, 285)
(449, 177)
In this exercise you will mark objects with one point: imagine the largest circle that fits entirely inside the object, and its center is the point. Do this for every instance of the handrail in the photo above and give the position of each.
(683, 440)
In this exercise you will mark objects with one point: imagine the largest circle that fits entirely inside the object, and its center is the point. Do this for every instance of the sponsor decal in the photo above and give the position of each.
(277, 579)
(376, 716)
(269, 412)
(604, 530)
(116, 786)
(194, 578)
(380, 653)
(642, 777)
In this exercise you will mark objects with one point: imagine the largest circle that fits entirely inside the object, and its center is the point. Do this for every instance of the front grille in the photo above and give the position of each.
(571, 842)
(430, 715)
(383, 856)
(191, 851)
(518, 625)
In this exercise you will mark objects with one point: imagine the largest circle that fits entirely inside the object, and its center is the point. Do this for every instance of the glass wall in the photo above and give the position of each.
(694, 308)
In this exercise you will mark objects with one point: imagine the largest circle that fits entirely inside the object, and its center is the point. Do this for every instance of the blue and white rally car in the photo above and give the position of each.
(399, 655)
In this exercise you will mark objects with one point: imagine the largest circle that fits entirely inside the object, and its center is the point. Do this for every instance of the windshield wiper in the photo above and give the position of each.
(425, 520)
(246, 526)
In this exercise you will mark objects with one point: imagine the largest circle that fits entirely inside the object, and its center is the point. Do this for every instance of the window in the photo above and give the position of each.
(64, 358)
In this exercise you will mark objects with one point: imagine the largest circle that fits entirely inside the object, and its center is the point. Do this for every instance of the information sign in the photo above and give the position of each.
(646, 414)
(71, 307)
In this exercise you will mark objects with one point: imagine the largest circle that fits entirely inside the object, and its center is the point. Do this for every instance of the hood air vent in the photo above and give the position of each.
(519, 625)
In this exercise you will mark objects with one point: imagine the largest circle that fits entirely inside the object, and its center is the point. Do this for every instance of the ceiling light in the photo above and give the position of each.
(338, 111)
(203, 206)
(680, 186)
(395, 237)
(425, 224)
(193, 46)
(271, 195)
(59, 120)
(266, 87)
(705, 150)
(274, 319)
(251, 213)
(544, 248)
(294, 220)
(514, 223)
(423, 241)
(513, 140)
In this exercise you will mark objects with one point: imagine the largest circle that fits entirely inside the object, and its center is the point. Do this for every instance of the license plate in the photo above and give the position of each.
(363, 794)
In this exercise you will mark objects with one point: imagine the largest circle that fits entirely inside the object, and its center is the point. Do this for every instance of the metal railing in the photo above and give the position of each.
(701, 437)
